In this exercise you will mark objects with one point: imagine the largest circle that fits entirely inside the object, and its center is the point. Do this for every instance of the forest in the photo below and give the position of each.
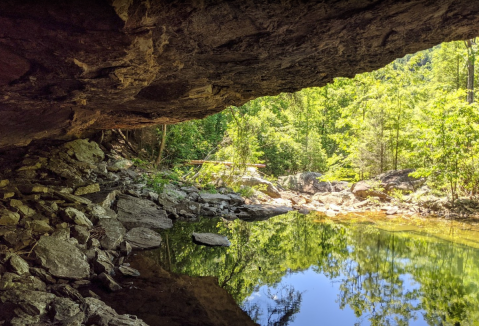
(417, 112)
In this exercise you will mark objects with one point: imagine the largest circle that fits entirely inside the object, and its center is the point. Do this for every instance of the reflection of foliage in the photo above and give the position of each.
(372, 266)
(287, 304)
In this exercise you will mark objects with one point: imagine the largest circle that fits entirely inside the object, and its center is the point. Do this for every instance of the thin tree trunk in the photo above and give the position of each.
(162, 146)
(471, 58)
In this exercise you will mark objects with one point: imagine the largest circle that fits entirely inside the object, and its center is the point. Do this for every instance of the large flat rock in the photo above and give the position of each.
(260, 212)
(136, 212)
(143, 238)
(61, 258)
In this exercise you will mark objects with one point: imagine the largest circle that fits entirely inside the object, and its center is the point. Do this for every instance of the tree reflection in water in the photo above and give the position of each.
(374, 268)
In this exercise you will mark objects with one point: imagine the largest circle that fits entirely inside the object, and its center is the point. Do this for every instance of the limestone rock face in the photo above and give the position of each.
(69, 66)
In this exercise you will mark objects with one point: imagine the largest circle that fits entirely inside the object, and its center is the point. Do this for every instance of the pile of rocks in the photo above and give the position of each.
(70, 215)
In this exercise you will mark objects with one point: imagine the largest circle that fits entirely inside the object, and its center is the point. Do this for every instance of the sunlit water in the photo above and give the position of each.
(309, 270)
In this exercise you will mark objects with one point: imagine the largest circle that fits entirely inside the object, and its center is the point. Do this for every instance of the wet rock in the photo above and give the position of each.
(98, 313)
(213, 198)
(143, 238)
(85, 151)
(19, 265)
(260, 212)
(109, 282)
(87, 189)
(33, 303)
(128, 271)
(81, 233)
(114, 233)
(8, 217)
(61, 258)
(268, 188)
(211, 239)
(40, 226)
(135, 212)
(73, 215)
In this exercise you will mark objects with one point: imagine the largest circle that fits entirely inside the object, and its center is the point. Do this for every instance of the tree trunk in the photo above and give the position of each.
(471, 58)
(162, 146)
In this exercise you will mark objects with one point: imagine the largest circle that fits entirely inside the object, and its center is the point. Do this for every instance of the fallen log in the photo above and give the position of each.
(199, 162)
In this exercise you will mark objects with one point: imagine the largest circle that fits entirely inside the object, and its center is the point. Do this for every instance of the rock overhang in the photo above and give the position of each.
(71, 66)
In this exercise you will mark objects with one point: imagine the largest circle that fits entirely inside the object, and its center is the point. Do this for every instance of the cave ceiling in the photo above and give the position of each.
(67, 67)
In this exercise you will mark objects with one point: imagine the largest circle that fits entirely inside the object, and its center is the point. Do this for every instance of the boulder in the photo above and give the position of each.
(211, 239)
(143, 238)
(308, 182)
(32, 303)
(136, 212)
(61, 258)
(267, 187)
(400, 180)
(114, 233)
(64, 309)
(364, 189)
(85, 151)
(260, 212)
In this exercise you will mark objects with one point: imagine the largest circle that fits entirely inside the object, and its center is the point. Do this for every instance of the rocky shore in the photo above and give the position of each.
(72, 216)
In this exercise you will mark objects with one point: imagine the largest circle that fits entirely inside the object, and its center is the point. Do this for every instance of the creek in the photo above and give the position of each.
(357, 269)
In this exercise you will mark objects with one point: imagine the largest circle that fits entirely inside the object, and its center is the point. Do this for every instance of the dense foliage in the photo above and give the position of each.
(413, 113)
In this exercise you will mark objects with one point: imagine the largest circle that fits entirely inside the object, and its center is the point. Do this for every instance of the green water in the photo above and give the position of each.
(307, 270)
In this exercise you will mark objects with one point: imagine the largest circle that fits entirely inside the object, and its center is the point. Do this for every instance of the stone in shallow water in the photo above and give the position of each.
(260, 212)
(135, 212)
(143, 238)
(211, 239)
(61, 258)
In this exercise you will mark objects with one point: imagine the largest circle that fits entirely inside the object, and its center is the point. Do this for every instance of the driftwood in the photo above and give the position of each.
(199, 162)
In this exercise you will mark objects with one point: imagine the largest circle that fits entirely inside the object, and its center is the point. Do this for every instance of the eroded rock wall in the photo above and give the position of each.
(70, 66)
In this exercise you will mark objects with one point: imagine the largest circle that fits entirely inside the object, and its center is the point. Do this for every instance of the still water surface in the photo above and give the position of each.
(362, 270)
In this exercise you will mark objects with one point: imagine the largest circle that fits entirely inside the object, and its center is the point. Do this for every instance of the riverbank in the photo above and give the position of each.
(73, 215)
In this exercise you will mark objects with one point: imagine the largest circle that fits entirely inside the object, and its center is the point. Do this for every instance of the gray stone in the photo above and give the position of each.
(73, 215)
(122, 164)
(93, 243)
(33, 188)
(392, 211)
(33, 303)
(103, 263)
(103, 198)
(135, 212)
(143, 238)
(364, 189)
(19, 265)
(81, 233)
(40, 226)
(128, 271)
(98, 313)
(42, 275)
(267, 187)
(213, 198)
(8, 217)
(25, 282)
(236, 199)
(22, 208)
(211, 239)
(85, 151)
(90, 189)
(260, 212)
(4, 183)
(109, 282)
(126, 248)
(114, 233)
(61, 258)
(73, 199)
(64, 309)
